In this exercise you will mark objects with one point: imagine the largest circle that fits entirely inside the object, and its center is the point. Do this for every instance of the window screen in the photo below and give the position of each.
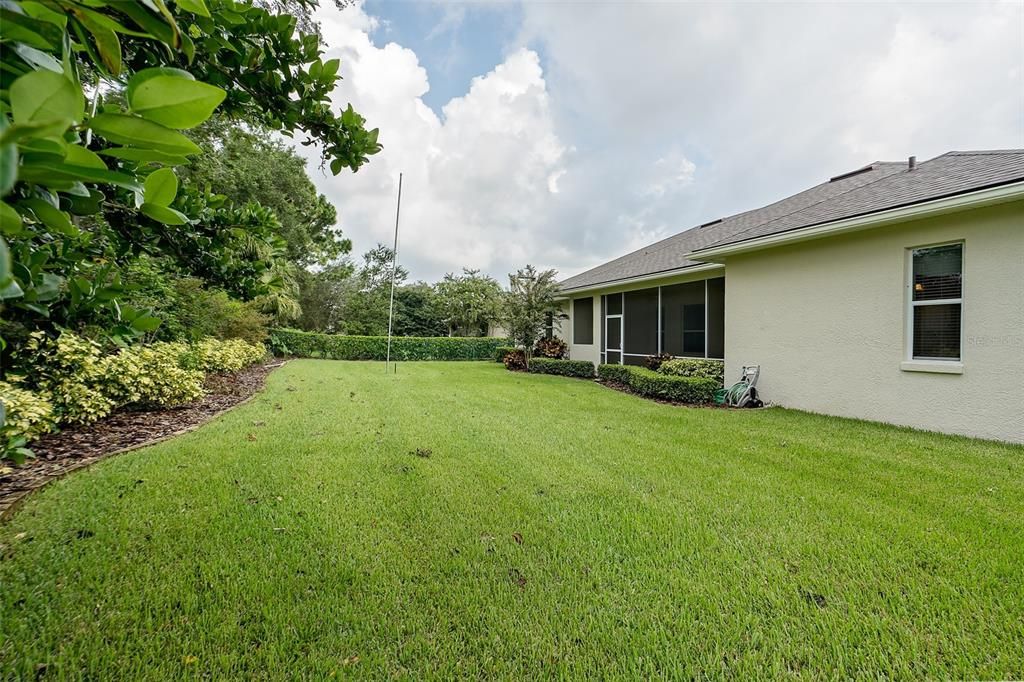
(682, 319)
(693, 329)
(641, 322)
(716, 318)
(614, 304)
(583, 321)
(936, 302)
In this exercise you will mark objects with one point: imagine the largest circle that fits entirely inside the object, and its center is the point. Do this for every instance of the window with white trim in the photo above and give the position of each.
(936, 302)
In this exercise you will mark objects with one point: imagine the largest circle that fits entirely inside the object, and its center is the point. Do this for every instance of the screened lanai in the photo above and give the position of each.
(684, 320)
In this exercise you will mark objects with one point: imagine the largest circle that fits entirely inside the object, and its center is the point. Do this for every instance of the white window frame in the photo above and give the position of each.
(925, 364)
(621, 317)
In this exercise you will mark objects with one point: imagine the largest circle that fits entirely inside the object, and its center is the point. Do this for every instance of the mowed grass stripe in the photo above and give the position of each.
(557, 528)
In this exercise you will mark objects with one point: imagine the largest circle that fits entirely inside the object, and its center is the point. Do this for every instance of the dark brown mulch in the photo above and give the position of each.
(78, 446)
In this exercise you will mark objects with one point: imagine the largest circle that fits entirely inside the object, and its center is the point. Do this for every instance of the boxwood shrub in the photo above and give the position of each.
(618, 374)
(650, 384)
(675, 388)
(583, 369)
(501, 351)
(337, 347)
(694, 367)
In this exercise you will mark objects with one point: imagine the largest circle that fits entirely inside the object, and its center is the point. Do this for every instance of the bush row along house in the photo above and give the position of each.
(894, 292)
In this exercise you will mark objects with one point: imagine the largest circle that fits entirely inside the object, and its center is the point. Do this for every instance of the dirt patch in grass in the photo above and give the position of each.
(77, 446)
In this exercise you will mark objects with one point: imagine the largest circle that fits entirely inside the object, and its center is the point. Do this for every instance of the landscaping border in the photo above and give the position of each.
(12, 499)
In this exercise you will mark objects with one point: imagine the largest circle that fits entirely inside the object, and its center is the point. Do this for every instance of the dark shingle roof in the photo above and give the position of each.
(877, 187)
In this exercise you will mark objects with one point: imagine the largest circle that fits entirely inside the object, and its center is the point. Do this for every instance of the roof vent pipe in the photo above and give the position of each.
(912, 163)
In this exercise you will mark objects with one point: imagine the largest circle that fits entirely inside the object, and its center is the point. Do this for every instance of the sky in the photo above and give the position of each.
(564, 134)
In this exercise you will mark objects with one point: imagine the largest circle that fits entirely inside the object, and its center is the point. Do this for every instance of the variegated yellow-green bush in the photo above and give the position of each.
(69, 380)
(26, 414)
(151, 376)
(214, 355)
(69, 370)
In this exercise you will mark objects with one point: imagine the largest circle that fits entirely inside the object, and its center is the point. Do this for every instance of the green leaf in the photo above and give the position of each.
(8, 167)
(144, 75)
(47, 289)
(174, 101)
(106, 39)
(138, 132)
(40, 129)
(10, 290)
(38, 58)
(194, 6)
(43, 95)
(165, 215)
(86, 205)
(165, 32)
(52, 217)
(145, 155)
(45, 173)
(161, 187)
(10, 221)
(5, 263)
(80, 156)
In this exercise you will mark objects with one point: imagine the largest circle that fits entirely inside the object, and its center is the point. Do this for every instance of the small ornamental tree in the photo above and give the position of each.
(532, 296)
(469, 302)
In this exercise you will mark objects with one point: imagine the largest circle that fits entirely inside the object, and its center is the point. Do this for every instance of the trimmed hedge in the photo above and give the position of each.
(668, 387)
(337, 347)
(583, 369)
(615, 373)
(694, 367)
(501, 351)
(650, 384)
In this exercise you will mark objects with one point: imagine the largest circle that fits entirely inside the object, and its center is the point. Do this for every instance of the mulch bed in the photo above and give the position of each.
(77, 446)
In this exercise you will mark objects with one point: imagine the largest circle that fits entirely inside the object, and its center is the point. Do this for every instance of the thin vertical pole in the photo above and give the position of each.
(394, 269)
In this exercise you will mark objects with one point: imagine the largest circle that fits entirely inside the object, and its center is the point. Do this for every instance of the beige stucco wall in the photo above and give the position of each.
(826, 321)
(592, 352)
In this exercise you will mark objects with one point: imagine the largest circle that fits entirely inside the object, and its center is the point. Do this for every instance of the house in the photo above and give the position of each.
(894, 292)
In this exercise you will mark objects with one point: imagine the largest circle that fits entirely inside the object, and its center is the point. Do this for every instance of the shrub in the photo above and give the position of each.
(618, 374)
(551, 348)
(675, 388)
(24, 416)
(515, 360)
(566, 368)
(501, 351)
(151, 376)
(69, 371)
(337, 347)
(212, 355)
(694, 367)
(653, 362)
(649, 384)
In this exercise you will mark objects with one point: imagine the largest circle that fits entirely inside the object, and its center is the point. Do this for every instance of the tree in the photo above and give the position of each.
(322, 296)
(530, 300)
(87, 188)
(345, 300)
(469, 302)
(417, 312)
(248, 166)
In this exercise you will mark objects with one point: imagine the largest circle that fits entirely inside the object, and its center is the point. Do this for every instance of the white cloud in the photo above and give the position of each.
(649, 118)
(475, 181)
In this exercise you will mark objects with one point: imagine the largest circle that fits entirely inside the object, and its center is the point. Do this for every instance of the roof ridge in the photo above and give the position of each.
(981, 152)
(811, 205)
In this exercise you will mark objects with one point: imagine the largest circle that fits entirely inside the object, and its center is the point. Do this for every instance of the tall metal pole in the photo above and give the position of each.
(394, 269)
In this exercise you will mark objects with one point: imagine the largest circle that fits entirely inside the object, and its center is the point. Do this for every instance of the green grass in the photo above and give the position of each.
(301, 531)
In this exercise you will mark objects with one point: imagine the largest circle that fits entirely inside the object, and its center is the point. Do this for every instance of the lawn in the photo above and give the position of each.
(555, 528)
